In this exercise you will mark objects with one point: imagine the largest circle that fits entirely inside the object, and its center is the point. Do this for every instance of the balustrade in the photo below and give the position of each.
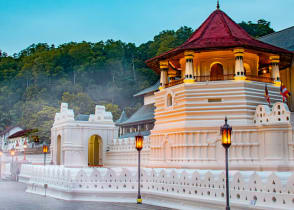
(206, 78)
(267, 191)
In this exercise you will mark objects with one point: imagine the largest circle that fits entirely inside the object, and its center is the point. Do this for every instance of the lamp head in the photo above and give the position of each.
(25, 144)
(45, 148)
(12, 152)
(226, 131)
(139, 142)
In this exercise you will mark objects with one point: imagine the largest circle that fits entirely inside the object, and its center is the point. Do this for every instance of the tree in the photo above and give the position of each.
(261, 28)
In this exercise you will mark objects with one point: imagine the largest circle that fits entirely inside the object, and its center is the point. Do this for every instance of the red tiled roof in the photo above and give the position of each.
(219, 31)
(21, 133)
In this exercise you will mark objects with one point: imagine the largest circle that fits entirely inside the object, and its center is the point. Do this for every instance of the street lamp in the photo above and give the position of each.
(16, 149)
(25, 145)
(226, 132)
(45, 150)
(1, 153)
(139, 145)
(12, 153)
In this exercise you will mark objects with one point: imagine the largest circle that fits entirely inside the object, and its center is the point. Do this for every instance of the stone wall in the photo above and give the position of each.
(122, 152)
(176, 188)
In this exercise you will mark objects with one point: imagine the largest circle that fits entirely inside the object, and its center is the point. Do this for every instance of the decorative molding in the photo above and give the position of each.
(265, 190)
(279, 114)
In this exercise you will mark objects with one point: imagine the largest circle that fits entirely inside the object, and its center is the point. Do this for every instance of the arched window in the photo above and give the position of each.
(169, 100)
(216, 72)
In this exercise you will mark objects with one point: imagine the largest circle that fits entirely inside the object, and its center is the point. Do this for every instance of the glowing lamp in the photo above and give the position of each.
(25, 144)
(45, 148)
(1, 153)
(226, 131)
(139, 142)
(12, 152)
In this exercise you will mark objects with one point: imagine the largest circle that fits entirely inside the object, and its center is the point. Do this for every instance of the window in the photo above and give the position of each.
(216, 72)
(169, 100)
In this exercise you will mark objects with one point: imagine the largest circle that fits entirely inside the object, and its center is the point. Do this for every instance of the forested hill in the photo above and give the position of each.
(35, 81)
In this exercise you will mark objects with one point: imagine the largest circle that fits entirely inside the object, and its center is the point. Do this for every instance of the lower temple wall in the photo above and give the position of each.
(256, 148)
(122, 152)
(175, 188)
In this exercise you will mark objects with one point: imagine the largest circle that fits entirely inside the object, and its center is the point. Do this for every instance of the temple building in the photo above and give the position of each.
(220, 71)
(143, 119)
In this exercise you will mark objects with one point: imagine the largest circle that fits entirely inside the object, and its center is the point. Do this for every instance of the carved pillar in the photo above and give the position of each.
(275, 71)
(239, 66)
(189, 71)
(163, 74)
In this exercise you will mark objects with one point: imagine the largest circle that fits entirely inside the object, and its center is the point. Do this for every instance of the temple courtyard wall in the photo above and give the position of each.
(174, 188)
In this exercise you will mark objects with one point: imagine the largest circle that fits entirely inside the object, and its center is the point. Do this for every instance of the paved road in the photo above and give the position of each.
(14, 197)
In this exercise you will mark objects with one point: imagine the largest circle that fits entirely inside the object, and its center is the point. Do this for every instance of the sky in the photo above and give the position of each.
(24, 22)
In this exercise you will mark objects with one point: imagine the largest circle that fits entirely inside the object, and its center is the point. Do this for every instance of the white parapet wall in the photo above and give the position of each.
(122, 152)
(175, 188)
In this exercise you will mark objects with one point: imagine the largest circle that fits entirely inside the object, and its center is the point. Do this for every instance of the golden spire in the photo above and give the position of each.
(217, 5)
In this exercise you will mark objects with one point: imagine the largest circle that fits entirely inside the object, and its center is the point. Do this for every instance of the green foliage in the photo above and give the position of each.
(261, 28)
(35, 81)
(81, 103)
(114, 109)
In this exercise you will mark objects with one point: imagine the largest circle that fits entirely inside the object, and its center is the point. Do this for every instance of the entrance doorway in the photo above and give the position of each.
(95, 151)
(58, 152)
(217, 72)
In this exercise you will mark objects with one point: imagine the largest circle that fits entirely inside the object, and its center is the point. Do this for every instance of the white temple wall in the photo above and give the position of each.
(173, 188)
(253, 148)
(122, 152)
(75, 135)
(149, 99)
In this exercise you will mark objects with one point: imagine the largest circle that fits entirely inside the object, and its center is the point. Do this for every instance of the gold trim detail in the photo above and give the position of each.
(189, 81)
(239, 52)
(189, 54)
(274, 59)
(239, 78)
(163, 64)
(277, 83)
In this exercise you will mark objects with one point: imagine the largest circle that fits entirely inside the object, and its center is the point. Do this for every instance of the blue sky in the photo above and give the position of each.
(24, 22)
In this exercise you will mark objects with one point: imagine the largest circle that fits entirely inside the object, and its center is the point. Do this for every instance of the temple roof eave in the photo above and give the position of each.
(153, 63)
(218, 31)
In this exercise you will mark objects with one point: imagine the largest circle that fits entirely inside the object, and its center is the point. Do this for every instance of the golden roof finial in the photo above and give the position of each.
(217, 5)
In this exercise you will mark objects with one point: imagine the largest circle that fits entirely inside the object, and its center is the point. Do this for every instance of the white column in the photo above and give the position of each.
(189, 71)
(163, 74)
(239, 65)
(275, 70)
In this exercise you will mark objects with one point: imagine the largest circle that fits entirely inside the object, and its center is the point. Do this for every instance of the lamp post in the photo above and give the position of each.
(16, 149)
(139, 145)
(12, 153)
(226, 132)
(45, 150)
(1, 153)
(25, 145)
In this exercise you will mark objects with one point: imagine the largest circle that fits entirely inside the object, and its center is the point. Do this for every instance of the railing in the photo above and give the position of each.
(221, 78)
(174, 82)
(215, 78)
(259, 79)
